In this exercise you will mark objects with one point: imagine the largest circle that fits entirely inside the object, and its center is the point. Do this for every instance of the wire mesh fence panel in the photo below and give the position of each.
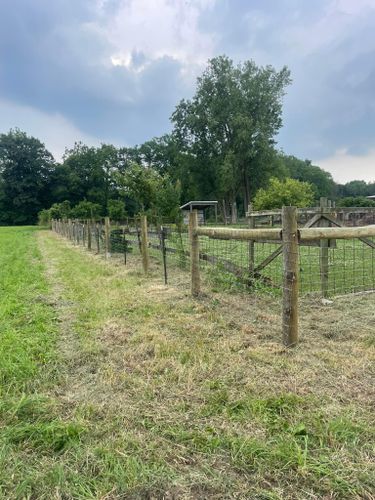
(326, 267)
(350, 268)
(237, 263)
(168, 246)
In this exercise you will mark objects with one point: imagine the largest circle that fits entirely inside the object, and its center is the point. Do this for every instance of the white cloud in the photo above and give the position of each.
(345, 167)
(156, 29)
(55, 131)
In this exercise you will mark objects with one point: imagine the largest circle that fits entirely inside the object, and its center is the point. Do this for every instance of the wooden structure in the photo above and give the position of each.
(200, 207)
(290, 237)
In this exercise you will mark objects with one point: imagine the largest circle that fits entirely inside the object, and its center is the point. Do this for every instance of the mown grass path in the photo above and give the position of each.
(120, 387)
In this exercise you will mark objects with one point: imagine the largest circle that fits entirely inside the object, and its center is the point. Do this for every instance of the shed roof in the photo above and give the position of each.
(198, 204)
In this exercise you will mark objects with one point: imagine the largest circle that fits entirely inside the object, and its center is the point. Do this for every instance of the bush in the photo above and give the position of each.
(288, 192)
(44, 217)
(60, 210)
(355, 201)
(86, 210)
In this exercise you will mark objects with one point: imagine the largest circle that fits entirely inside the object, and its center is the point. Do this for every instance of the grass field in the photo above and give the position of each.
(115, 386)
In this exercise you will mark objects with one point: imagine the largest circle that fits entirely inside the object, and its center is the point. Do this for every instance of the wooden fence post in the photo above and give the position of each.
(290, 276)
(124, 244)
(144, 244)
(76, 232)
(251, 242)
(97, 236)
(324, 249)
(89, 234)
(194, 254)
(107, 227)
(69, 229)
(164, 253)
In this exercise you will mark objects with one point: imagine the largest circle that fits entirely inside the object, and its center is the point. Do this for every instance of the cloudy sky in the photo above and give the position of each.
(113, 70)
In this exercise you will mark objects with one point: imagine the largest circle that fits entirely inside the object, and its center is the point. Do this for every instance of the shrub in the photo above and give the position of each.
(284, 193)
(116, 209)
(355, 201)
(86, 210)
(44, 217)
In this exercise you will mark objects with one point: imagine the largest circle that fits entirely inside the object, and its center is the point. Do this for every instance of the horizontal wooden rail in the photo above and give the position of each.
(223, 233)
(305, 234)
(340, 233)
(314, 210)
(267, 213)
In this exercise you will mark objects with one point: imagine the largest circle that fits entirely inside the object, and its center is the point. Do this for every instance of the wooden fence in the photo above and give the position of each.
(346, 216)
(288, 239)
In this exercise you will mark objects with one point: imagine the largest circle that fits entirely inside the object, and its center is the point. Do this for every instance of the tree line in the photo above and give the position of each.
(222, 147)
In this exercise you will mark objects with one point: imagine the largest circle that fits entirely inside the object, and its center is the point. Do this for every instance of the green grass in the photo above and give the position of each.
(27, 321)
(30, 422)
(115, 386)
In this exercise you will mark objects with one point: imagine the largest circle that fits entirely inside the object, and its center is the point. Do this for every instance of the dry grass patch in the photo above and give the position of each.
(206, 395)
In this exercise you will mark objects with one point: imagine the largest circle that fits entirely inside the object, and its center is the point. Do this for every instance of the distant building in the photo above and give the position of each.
(202, 207)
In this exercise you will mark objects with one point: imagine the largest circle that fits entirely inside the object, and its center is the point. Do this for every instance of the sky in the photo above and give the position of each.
(113, 70)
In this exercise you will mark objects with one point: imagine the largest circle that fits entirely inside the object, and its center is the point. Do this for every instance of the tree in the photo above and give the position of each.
(25, 174)
(79, 176)
(303, 170)
(141, 184)
(89, 173)
(151, 191)
(168, 197)
(116, 210)
(357, 188)
(234, 116)
(284, 193)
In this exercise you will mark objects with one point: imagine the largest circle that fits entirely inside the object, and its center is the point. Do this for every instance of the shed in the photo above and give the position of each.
(201, 206)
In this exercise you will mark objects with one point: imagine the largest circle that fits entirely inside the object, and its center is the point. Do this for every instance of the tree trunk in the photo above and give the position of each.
(234, 211)
(224, 212)
(246, 191)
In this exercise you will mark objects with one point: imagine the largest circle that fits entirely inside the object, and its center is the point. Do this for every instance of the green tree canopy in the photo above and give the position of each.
(89, 173)
(358, 188)
(303, 170)
(25, 175)
(230, 125)
(151, 191)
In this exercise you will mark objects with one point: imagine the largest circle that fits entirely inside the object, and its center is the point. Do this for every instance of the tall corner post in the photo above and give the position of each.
(290, 276)
(324, 248)
(194, 254)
